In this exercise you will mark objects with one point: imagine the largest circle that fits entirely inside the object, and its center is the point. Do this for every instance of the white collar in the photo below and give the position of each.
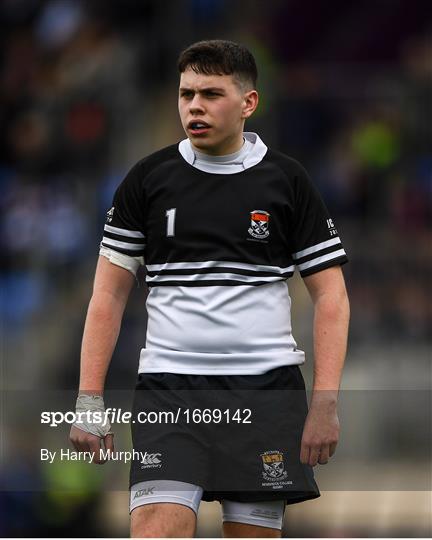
(253, 157)
(234, 158)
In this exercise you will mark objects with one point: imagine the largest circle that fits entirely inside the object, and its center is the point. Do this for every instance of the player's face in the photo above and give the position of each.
(213, 109)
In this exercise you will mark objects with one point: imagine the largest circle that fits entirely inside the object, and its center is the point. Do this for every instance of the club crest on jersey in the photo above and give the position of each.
(259, 227)
(109, 215)
(273, 465)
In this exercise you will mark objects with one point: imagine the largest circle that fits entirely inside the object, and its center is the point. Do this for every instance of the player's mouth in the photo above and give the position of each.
(197, 127)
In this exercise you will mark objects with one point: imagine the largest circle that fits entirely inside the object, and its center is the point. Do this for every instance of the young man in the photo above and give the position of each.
(221, 222)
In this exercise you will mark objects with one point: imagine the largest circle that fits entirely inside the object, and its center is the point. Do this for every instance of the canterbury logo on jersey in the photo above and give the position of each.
(109, 215)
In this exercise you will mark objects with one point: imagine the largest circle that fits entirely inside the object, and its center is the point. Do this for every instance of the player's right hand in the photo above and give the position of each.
(87, 442)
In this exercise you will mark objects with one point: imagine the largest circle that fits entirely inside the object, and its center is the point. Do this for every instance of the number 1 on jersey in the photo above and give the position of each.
(170, 215)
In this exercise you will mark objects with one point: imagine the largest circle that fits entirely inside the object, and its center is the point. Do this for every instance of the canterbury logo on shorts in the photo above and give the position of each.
(151, 460)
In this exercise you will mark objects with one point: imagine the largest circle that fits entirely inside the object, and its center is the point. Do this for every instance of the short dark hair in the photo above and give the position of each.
(220, 57)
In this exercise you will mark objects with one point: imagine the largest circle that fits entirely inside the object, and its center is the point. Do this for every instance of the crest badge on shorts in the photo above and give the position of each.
(259, 227)
(273, 466)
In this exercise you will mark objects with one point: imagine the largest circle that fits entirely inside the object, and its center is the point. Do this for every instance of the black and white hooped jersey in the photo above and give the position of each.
(218, 250)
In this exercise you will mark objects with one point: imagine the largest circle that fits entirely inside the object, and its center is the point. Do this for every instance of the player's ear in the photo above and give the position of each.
(250, 103)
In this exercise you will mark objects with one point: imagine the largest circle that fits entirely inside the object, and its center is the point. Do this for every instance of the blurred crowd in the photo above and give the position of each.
(88, 88)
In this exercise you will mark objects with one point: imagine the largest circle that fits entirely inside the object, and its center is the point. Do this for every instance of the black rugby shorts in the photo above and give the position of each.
(236, 436)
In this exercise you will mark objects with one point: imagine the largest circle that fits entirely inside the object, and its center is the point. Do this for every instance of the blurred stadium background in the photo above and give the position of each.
(88, 88)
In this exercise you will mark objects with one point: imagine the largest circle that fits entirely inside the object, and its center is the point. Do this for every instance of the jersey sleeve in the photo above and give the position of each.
(316, 242)
(124, 227)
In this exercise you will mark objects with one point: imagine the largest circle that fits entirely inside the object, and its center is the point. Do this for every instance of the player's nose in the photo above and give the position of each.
(196, 104)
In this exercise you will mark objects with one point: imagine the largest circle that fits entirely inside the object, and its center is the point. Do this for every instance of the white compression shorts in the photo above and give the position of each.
(263, 513)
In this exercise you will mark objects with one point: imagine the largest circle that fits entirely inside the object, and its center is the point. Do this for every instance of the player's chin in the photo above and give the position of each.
(202, 141)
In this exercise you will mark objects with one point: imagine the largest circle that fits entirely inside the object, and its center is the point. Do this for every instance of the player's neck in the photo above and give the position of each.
(219, 158)
(224, 149)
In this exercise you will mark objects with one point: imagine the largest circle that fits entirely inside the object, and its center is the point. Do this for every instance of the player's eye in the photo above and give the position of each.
(186, 95)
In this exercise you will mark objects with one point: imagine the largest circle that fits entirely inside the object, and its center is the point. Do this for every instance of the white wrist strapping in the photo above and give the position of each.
(96, 424)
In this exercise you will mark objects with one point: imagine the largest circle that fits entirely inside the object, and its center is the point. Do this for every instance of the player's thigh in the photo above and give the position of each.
(244, 530)
(163, 520)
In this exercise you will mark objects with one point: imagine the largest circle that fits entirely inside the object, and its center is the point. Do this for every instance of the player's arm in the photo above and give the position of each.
(111, 289)
(330, 331)
(121, 253)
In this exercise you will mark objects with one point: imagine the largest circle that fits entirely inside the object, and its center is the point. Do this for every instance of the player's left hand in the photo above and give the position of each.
(320, 434)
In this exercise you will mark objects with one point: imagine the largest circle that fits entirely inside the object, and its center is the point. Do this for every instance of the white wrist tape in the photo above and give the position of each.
(92, 418)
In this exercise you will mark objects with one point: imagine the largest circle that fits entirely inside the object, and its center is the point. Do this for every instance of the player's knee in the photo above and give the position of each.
(143, 520)
(243, 530)
(164, 520)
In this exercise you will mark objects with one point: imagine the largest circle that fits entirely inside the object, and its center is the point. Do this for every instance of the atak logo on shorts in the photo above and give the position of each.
(259, 227)
(144, 492)
(273, 464)
(151, 461)
(109, 215)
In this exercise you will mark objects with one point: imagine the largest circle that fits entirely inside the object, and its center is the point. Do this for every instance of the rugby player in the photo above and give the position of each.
(220, 222)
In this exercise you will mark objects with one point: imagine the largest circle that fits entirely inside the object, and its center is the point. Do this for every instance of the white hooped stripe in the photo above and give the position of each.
(323, 258)
(123, 232)
(212, 277)
(317, 247)
(219, 264)
(125, 245)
